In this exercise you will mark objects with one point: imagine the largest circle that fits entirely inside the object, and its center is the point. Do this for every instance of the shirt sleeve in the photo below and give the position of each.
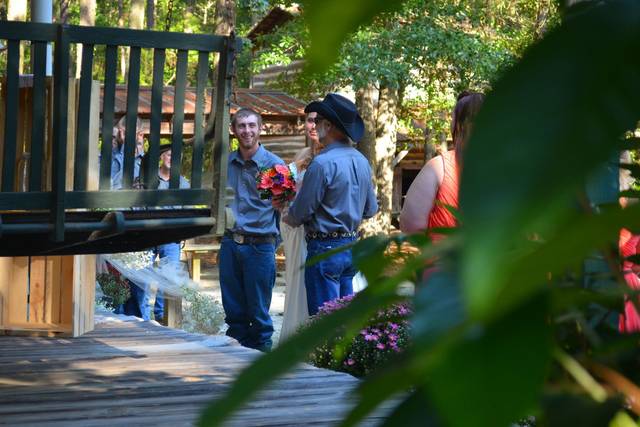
(371, 204)
(310, 196)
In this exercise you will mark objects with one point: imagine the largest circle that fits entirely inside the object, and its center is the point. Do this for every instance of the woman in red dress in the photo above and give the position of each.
(436, 186)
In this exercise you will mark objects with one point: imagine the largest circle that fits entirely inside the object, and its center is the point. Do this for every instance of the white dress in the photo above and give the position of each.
(295, 299)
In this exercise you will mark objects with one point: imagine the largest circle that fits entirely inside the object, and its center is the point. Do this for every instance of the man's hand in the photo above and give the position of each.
(278, 203)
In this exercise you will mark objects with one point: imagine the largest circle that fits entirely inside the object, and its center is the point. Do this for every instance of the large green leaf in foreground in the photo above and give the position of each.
(549, 122)
(483, 334)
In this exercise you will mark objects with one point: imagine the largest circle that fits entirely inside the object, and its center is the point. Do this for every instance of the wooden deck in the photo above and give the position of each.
(137, 373)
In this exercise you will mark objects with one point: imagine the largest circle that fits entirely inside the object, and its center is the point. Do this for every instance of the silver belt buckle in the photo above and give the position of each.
(238, 238)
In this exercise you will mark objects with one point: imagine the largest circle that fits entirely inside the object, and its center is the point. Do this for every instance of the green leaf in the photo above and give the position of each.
(622, 419)
(331, 21)
(562, 410)
(550, 121)
(494, 374)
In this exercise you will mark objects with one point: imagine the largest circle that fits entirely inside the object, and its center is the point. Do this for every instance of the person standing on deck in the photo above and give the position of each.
(247, 252)
(336, 196)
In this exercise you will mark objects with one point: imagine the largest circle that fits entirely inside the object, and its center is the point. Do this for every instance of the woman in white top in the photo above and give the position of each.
(295, 248)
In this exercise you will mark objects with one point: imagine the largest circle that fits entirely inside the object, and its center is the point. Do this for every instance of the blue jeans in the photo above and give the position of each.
(330, 278)
(138, 304)
(172, 252)
(247, 277)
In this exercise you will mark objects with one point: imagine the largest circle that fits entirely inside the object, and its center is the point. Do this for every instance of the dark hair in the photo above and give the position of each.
(467, 107)
(245, 112)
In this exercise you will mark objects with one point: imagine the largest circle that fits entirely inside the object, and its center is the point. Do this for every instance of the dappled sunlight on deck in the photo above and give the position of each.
(138, 373)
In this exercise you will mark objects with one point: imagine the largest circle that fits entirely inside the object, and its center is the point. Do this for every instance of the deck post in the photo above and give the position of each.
(221, 139)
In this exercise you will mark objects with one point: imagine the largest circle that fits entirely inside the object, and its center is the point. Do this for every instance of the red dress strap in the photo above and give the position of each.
(440, 216)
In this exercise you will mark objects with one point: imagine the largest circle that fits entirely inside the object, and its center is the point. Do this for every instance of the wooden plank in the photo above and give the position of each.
(109, 96)
(38, 116)
(71, 134)
(54, 289)
(94, 131)
(178, 118)
(6, 278)
(60, 114)
(221, 141)
(133, 86)
(66, 289)
(198, 139)
(84, 284)
(151, 172)
(37, 290)
(145, 39)
(11, 117)
(173, 311)
(81, 165)
(18, 291)
(28, 31)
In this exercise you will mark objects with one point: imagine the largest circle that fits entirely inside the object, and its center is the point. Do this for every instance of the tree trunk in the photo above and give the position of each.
(64, 11)
(136, 16)
(88, 18)
(225, 22)
(366, 103)
(123, 50)
(385, 149)
(151, 14)
(17, 11)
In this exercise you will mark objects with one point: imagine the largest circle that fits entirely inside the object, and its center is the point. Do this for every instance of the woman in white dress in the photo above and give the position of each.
(295, 246)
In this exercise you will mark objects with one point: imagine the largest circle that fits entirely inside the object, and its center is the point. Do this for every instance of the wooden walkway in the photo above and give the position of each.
(137, 373)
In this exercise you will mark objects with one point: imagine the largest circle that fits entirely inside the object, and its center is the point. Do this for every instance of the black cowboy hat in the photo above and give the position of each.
(164, 146)
(341, 112)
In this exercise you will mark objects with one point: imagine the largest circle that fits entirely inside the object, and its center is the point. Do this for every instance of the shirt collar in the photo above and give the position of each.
(259, 157)
(334, 145)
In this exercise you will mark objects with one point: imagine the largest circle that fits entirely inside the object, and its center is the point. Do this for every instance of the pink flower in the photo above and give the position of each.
(351, 362)
(380, 346)
(282, 169)
(370, 337)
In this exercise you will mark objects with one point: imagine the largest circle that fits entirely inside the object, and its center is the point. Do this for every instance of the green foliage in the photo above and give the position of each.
(386, 334)
(429, 49)
(201, 312)
(114, 288)
(504, 329)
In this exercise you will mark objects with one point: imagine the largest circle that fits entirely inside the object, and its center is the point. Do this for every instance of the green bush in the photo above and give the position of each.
(115, 290)
(387, 333)
(201, 313)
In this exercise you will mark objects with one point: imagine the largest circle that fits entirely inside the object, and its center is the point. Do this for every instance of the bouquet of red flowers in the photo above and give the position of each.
(277, 182)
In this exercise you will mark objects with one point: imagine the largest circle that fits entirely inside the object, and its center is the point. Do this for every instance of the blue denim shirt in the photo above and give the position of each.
(253, 215)
(337, 192)
(117, 163)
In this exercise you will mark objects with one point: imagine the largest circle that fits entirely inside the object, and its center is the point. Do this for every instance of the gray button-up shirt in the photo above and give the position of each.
(253, 215)
(117, 164)
(337, 192)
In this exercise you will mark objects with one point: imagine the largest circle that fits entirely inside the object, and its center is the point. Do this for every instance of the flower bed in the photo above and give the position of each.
(387, 333)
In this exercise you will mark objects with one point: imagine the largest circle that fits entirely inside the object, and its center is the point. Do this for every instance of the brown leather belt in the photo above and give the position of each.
(249, 239)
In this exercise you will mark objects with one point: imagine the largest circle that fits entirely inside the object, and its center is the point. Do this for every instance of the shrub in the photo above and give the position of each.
(201, 312)
(116, 290)
(387, 333)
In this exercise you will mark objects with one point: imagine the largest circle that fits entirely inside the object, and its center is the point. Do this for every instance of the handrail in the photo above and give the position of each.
(49, 190)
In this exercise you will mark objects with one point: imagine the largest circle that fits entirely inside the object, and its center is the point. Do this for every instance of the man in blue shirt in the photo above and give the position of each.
(337, 194)
(117, 152)
(247, 253)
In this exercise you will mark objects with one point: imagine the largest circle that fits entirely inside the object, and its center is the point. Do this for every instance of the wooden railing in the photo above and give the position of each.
(51, 192)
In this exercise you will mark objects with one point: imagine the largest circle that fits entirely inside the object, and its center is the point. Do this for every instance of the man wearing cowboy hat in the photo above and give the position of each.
(337, 194)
